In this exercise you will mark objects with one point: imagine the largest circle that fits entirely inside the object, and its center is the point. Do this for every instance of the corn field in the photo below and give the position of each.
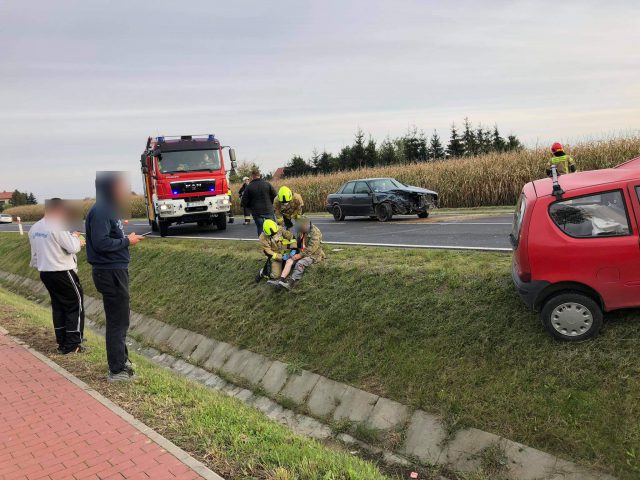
(487, 180)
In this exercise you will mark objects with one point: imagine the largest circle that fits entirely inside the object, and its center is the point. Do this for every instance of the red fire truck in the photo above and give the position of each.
(185, 181)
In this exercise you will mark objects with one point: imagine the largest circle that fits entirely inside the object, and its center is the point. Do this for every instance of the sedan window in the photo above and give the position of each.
(384, 184)
(348, 188)
(362, 189)
(600, 215)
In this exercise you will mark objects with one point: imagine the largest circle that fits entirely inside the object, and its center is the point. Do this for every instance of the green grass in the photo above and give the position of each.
(235, 440)
(439, 330)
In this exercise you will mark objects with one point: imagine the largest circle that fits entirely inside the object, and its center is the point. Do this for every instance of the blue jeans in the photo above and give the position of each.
(259, 219)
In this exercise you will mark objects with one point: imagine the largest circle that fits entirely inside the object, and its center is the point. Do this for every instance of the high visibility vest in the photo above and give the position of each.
(562, 163)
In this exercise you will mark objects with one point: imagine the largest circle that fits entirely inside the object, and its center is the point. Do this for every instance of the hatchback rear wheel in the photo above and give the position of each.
(571, 316)
(338, 214)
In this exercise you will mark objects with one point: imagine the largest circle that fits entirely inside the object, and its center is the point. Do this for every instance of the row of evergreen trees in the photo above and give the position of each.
(412, 147)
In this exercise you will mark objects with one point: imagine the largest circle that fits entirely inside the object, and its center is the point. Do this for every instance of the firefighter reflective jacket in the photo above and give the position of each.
(277, 245)
(290, 210)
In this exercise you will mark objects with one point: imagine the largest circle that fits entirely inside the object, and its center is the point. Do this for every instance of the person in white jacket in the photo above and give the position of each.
(53, 253)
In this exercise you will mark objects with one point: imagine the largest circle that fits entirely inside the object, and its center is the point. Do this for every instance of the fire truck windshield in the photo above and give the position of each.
(189, 161)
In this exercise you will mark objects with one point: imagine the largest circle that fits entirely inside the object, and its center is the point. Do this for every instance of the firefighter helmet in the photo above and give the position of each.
(269, 227)
(284, 194)
(557, 147)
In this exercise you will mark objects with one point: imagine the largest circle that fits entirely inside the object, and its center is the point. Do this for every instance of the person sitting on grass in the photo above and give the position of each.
(309, 242)
(276, 244)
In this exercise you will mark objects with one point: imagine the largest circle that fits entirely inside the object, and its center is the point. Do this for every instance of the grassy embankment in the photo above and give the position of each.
(493, 179)
(231, 438)
(442, 331)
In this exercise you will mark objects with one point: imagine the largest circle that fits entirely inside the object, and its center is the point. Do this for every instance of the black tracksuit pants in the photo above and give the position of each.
(114, 287)
(67, 305)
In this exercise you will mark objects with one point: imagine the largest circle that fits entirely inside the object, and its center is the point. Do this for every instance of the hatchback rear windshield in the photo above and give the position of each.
(518, 216)
(600, 215)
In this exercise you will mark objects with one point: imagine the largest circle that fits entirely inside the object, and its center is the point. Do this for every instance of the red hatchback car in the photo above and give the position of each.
(577, 251)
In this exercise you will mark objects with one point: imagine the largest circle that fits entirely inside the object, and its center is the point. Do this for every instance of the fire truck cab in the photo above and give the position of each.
(185, 181)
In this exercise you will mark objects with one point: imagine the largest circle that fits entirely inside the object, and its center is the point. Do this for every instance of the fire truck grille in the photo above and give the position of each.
(193, 186)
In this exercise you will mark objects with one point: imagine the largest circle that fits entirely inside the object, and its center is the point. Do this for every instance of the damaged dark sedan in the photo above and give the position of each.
(380, 198)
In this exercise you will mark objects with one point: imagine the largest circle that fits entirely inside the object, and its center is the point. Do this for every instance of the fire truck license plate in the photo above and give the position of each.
(195, 204)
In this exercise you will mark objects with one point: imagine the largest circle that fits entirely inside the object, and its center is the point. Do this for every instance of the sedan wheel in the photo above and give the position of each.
(338, 214)
(384, 212)
(572, 316)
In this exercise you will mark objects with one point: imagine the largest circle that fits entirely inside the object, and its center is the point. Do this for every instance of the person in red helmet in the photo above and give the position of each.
(563, 162)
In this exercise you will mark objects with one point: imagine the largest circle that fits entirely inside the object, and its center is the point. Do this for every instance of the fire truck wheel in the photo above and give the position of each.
(164, 228)
(154, 225)
(221, 221)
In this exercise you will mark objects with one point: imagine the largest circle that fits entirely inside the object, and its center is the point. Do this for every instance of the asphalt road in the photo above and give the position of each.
(480, 232)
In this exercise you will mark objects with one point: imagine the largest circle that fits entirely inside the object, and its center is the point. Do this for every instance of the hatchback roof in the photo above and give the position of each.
(624, 172)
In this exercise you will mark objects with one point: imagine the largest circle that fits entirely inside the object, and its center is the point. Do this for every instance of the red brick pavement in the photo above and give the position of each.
(52, 429)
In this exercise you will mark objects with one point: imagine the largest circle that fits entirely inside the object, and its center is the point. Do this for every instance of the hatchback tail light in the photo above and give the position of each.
(525, 276)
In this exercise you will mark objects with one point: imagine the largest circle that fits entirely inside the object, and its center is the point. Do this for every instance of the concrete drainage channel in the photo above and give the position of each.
(276, 390)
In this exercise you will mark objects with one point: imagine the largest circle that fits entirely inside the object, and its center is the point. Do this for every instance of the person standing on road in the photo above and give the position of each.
(563, 162)
(287, 206)
(53, 253)
(246, 211)
(108, 254)
(258, 197)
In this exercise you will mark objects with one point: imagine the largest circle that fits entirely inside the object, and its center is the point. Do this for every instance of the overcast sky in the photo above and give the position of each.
(83, 83)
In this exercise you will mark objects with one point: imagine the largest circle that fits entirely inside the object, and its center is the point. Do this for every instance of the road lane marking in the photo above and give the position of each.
(365, 244)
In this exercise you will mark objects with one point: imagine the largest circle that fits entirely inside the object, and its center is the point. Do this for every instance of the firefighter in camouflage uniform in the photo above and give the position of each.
(287, 207)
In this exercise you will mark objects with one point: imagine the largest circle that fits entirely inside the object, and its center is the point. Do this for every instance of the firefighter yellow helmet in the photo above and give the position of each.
(284, 194)
(269, 227)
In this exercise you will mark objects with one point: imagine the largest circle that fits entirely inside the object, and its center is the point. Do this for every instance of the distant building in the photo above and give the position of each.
(278, 174)
(5, 198)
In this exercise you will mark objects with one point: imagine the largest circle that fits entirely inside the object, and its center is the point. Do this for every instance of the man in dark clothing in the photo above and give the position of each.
(258, 197)
(108, 254)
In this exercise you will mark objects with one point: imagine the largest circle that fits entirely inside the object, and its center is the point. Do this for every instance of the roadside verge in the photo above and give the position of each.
(413, 435)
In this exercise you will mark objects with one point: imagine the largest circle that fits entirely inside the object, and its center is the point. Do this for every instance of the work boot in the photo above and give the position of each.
(259, 276)
(247, 222)
(285, 284)
(230, 220)
(78, 349)
(273, 283)
(122, 376)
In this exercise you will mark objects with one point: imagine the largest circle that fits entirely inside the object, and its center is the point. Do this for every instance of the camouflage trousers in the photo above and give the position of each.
(300, 267)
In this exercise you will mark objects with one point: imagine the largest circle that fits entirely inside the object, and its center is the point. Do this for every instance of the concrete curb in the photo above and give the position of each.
(425, 440)
(154, 436)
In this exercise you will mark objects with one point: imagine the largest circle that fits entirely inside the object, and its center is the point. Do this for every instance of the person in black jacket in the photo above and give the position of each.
(258, 197)
(108, 254)
(247, 212)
